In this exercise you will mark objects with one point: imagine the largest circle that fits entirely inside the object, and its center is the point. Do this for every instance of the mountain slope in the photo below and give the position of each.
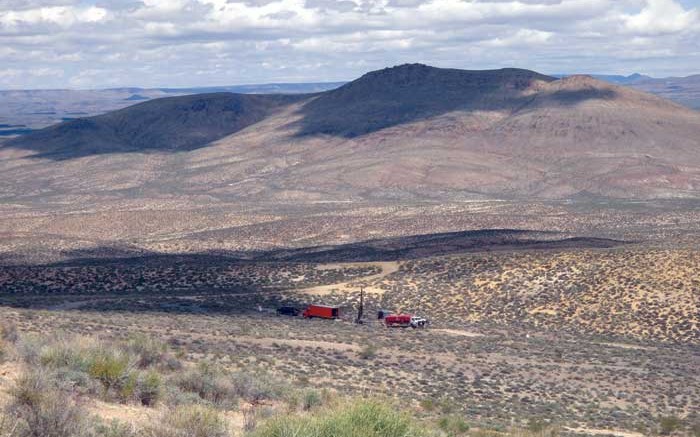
(173, 124)
(684, 90)
(393, 96)
(409, 132)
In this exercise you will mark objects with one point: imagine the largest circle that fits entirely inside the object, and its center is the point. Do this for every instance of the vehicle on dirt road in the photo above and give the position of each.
(405, 321)
(288, 311)
(321, 311)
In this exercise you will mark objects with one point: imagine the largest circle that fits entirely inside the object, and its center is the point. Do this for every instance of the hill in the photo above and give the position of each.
(175, 123)
(408, 132)
(684, 90)
(41, 108)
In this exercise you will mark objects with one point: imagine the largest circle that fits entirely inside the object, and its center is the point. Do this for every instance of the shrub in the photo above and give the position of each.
(50, 415)
(4, 351)
(8, 332)
(29, 389)
(111, 367)
(453, 425)
(127, 389)
(669, 424)
(250, 418)
(150, 352)
(149, 388)
(76, 380)
(209, 383)
(257, 387)
(361, 418)
(29, 348)
(311, 399)
(537, 425)
(427, 404)
(115, 429)
(189, 421)
(368, 352)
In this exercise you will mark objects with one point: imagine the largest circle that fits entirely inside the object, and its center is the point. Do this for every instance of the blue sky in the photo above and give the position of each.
(106, 43)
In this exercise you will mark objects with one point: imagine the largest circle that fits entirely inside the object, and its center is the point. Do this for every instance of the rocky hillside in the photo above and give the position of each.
(409, 132)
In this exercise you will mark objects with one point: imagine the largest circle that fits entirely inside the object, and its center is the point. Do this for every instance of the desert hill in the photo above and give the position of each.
(393, 96)
(408, 132)
(172, 123)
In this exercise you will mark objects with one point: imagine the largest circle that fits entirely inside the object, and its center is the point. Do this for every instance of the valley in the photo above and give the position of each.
(584, 314)
(547, 228)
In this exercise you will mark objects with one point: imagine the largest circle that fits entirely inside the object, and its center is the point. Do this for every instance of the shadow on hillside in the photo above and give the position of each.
(165, 125)
(118, 280)
(376, 101)
(412, 93)
(380, 249)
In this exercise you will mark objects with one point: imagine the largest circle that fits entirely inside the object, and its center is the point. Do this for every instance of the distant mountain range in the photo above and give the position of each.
(683, 90)
(411, 132)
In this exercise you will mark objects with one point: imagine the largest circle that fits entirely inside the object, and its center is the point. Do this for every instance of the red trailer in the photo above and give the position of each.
(404, 321)
(321, 311)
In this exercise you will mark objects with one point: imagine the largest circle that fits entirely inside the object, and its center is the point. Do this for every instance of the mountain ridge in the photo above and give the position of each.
(410, 132)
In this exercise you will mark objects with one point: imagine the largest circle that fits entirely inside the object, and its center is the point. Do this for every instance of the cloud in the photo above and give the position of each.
(98, 43)
(662, 17)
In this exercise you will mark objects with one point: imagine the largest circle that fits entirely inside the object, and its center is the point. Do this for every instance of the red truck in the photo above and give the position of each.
(321, 311)
(404, 321)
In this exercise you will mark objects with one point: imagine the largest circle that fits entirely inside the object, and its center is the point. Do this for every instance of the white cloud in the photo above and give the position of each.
(207, 42)
(662, 16)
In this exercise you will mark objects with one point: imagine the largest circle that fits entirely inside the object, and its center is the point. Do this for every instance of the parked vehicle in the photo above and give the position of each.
(288, 311)
(381, 314)
(405, 321)
(321, 311)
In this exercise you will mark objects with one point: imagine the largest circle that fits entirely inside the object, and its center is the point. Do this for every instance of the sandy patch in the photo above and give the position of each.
(459, 332)
(387, 268)
(593, 431)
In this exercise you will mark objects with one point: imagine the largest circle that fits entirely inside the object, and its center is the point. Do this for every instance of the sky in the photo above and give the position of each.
(84, 44)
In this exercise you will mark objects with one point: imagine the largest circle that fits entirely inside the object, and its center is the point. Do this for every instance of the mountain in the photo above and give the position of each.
(174, 123)
(399, 95)
(410, 132)
(40, 108)
(684, 90)
(622, 80)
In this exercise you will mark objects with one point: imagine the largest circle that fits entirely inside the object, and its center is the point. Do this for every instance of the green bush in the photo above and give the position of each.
(111, 367)
(65, 351)
(127, 388)
(361, 418)
(537, 425)
(210, 383)
(149, 388)
(453, 425)
(669, 424)
(189, 421)
(427, 404)
(311, 400)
